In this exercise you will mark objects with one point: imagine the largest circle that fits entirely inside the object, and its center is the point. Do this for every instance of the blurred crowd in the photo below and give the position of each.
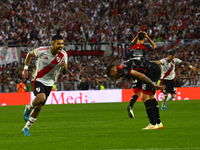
(33, 22)
(93, 70)
(84, 74)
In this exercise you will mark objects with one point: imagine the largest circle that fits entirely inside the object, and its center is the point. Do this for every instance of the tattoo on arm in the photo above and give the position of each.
(147, 80)
(142, 77)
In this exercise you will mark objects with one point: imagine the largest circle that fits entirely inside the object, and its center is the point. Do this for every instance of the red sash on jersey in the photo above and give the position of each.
(3, 38)
(167, 73)
(104, 37)
(48, 68)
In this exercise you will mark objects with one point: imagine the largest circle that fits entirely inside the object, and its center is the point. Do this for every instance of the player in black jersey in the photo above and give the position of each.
(149, 73)
(139, 49)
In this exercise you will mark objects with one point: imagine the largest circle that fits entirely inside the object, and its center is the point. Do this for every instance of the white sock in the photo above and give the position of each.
(30, 122)
(30, 106)
(169, 98)
(163, 101)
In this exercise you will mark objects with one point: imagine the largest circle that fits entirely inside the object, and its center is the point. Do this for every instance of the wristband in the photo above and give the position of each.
(191, 66)
(25, 67)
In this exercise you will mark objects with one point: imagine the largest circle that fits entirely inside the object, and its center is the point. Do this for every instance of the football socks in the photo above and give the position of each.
(30, 106)
(133, 100)
(30, 122)
(156, 110)
(150, 111)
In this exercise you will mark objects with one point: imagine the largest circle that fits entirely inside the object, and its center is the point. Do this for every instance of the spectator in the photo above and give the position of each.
(96, 84)
(84, 84)
(29, 86)
(175, 18)
(179, 81)
(1, 84)
(106, 21)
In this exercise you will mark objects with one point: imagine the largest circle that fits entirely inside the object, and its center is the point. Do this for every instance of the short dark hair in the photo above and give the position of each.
(141, 36)
(108, 69)
(57, 37)
(172, 52)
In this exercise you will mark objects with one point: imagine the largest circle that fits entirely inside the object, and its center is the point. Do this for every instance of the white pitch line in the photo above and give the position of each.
(188, 148)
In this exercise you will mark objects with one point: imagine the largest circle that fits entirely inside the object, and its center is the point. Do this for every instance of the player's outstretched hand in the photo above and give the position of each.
(25, 73)
(159, 87)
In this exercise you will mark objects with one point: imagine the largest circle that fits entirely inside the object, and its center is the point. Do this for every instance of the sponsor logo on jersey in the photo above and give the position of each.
(38, 89)
(125, 72)
(58, 59)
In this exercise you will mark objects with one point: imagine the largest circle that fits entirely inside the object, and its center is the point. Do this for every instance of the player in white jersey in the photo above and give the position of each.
(50, 60)
(168, 75)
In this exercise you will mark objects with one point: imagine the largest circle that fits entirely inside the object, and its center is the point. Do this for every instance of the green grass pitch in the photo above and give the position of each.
(103, 126)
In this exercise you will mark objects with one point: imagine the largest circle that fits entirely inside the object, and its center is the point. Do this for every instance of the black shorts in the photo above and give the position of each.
(41, 88)
(137, 85)
(170, 86)
(152, 73)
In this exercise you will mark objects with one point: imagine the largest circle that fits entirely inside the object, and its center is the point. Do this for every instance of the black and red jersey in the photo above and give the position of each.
(139, 64)
(140, 50)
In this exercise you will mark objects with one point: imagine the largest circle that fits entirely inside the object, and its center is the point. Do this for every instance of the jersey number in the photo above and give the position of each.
(144, 86)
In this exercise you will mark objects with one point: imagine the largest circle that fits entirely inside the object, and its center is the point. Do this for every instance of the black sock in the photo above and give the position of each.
(150, 111)
(156, 110)
(133, 100)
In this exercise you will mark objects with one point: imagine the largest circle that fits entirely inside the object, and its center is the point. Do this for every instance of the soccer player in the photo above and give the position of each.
(47, 68)
(168, 76)
(139, 49)
(148, 72)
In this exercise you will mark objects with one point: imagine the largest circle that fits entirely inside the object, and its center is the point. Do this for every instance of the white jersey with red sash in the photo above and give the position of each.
(48, 66)
(168, 68)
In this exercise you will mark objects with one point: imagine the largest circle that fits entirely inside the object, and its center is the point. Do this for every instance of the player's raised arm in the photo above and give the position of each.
(136, 38)
(158, 62)
(27, 61)
(152, 43)
(189, 65)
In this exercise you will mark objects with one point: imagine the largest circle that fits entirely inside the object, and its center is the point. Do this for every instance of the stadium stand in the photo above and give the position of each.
(32, 23)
